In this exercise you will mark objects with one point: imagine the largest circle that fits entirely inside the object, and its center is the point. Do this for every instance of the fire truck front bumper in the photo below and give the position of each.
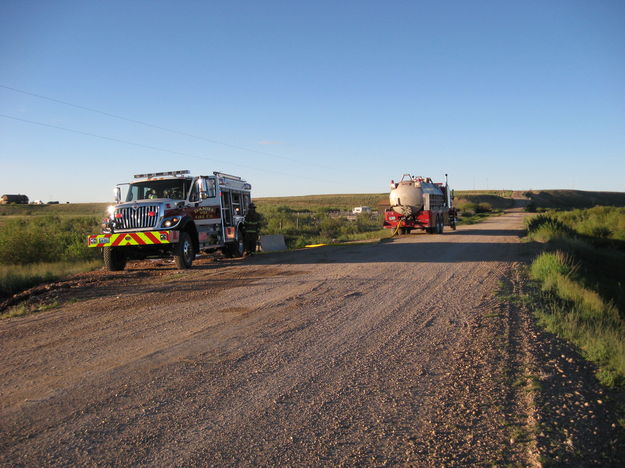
(133, 239)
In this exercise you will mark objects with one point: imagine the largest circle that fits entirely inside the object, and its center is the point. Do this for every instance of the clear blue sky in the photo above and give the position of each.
(312, 97)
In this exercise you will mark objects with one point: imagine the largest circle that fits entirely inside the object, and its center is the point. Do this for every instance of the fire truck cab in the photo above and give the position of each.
(173, 213)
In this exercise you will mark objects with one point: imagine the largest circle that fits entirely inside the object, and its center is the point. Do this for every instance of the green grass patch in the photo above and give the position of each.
(41, 248)
(320, 225)
(474, 218)
(336, 202)
(46, 239)
(569, 199)
(581, 277)
(23, 309)
(528, 382)
(68, 209)
(16, 278)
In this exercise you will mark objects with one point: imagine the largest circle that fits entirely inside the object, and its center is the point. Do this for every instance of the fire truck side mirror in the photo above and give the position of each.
(118, 194)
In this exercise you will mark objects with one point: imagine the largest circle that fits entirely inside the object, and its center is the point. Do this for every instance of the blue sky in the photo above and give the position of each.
(312, 97)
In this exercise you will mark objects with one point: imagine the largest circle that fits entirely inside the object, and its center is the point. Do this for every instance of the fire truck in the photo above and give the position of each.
(174, 214)
(420, 203)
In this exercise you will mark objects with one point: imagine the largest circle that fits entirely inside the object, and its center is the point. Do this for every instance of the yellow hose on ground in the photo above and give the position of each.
(396, 229)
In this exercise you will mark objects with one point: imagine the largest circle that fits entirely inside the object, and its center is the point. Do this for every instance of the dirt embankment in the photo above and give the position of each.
(400, 352)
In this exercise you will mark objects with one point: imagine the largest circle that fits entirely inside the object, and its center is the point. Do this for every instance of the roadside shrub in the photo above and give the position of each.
(544, 228)
(531, 207)
(583, 298)
(46, 239)
(483, 208)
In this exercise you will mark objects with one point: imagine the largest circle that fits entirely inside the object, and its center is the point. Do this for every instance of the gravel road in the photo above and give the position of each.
(399, 352)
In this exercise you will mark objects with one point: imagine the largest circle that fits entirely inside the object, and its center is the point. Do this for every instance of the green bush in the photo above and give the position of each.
(46, 239)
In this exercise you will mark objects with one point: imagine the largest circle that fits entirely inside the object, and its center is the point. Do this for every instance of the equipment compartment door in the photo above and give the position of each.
(206, 212)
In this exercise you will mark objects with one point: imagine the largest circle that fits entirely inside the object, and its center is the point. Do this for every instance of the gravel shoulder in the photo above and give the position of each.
(402, 352)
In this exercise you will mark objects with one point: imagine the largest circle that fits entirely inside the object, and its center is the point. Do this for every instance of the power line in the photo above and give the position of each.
(155, 148)
(146, 124)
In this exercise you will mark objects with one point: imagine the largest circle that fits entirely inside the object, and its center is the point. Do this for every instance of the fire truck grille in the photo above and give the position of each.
(138, 218)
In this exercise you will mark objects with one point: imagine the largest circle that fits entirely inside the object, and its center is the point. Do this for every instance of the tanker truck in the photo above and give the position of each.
(419, 203)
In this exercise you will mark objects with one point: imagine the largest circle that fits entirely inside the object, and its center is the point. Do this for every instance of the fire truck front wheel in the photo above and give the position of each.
(114, 258)
(183, 252)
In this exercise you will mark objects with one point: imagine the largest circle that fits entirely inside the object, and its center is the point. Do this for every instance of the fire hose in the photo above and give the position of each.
(396, 230)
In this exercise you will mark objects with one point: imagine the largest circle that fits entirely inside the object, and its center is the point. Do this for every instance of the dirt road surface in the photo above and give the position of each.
(403, 352)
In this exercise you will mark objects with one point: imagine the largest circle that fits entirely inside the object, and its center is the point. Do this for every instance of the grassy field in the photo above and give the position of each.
(570, 199)
(54, 234)
(345, 202)
(582, 279)
(16, 278)
(69, 209)
(338, 202)
(40, 248)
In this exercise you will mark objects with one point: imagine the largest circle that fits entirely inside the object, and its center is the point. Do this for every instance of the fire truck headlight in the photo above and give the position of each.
(170, 222)
(111, 210)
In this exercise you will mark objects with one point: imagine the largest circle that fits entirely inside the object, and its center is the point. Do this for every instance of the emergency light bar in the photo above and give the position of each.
(160, 174)
(226, 176)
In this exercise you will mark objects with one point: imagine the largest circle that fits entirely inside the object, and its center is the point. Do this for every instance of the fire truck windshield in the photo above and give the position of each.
(176, 189)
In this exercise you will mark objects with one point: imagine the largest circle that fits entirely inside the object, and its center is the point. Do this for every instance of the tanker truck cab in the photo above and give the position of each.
(174, 214)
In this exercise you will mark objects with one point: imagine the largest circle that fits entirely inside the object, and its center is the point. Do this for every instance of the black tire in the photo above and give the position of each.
(226, 251)
(441, 225)
(430, 230)
(184, 253)
(114, 258)
(237, 248)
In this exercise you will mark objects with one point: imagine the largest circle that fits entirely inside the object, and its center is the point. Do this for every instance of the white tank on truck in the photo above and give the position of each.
(408, 196)
(420, 203)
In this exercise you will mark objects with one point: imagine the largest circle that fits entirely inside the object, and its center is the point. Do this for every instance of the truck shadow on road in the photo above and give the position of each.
(400, 252)
(488, 232)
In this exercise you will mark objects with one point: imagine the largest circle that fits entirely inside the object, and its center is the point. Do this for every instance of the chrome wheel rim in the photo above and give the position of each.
(187, 251)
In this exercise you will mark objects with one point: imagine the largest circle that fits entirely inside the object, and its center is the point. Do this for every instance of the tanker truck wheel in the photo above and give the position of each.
(114, 259)
(441, 225)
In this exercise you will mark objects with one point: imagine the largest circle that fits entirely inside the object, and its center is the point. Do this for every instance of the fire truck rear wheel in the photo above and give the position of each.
(237, 248)
(183, 252)
(114, 259)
